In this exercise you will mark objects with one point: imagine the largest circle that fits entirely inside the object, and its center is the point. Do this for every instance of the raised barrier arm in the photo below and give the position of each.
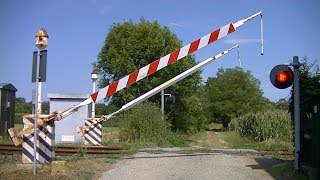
(82, 130)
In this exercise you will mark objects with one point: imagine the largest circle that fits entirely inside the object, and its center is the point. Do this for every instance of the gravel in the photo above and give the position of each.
(175, 166)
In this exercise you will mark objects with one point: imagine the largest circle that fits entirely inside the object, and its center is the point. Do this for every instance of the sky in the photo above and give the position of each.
(78, 28)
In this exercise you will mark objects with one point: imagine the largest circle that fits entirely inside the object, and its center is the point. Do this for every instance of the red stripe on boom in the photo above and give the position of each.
(112, 88)
(153, 67)
(194, 46)
(214, 36)
(132, 77)
(173, 56)
(231, 29)
(94, 96)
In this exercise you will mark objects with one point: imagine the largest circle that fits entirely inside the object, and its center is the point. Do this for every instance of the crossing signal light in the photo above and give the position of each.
(170, 100)
(281, 76)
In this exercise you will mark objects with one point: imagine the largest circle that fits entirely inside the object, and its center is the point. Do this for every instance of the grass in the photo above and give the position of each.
(4, 138)
(215, 127)
(79, 166)
(270, 146)
(110, 129)
(286, 170)
(198, 135)
(83, 166)
(236, 141)
(89, 167)
(110, 138)
(75, 167)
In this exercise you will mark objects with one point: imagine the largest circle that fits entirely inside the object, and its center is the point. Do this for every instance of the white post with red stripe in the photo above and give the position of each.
(84, 130)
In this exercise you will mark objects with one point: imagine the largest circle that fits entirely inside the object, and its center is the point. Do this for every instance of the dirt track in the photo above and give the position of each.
(145, 165)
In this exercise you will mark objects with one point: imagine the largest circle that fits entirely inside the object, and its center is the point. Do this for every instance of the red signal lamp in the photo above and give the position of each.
(281, 76)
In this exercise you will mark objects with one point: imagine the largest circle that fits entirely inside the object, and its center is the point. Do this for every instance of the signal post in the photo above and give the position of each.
(281, 76)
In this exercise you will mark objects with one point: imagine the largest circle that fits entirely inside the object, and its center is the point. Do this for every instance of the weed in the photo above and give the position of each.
(261, 126)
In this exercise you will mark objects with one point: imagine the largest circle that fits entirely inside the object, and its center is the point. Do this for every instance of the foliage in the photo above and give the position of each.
(233, 93)
(270, 146)
(18, 118)
(264, 125)
(282, 104)
(309, 88)
(22, 106)
(193, 118)
(45, 107)
(102, 109)
(143, 124)
(130, 46)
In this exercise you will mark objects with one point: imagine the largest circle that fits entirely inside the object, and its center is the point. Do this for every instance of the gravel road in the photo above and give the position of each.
(174, 166)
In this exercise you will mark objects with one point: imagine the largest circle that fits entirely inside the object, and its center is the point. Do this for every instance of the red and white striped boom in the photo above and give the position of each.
(157, 89)
(161, 63)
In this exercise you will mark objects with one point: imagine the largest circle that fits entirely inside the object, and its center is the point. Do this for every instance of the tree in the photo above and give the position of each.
(309, 88)
(232, 93)
(26, 107)
(102, 109)
(22, 106)
(45, 107)
(130, 46)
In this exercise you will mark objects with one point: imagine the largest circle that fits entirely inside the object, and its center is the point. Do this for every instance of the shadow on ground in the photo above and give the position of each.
(268, 164)
(214, 129)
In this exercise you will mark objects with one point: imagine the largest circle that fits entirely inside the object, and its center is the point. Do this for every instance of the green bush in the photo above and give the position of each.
(113, 122)
(261, 126)
(143, 125)
(18, 118)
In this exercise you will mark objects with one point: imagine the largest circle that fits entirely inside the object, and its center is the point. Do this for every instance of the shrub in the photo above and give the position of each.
(18, 118)
(143, 125)
(261, 126)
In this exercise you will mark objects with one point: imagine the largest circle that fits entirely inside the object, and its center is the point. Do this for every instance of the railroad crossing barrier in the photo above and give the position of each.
(46, 127)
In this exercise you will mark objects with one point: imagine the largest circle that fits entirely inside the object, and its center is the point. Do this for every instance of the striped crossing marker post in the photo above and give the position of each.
(93, 134)
(45, 143)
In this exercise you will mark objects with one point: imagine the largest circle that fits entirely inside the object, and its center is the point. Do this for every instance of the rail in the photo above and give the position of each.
(66, 150)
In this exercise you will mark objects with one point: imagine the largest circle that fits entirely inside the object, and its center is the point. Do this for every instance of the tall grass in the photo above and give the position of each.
(261, 126)
(143, 125)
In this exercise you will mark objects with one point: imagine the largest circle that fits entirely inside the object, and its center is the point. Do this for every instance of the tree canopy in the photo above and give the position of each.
(233, 92)
(129, 46)
(309, 87)
(22, 106)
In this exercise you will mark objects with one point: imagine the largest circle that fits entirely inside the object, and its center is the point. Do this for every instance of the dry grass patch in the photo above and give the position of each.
(75, 167)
